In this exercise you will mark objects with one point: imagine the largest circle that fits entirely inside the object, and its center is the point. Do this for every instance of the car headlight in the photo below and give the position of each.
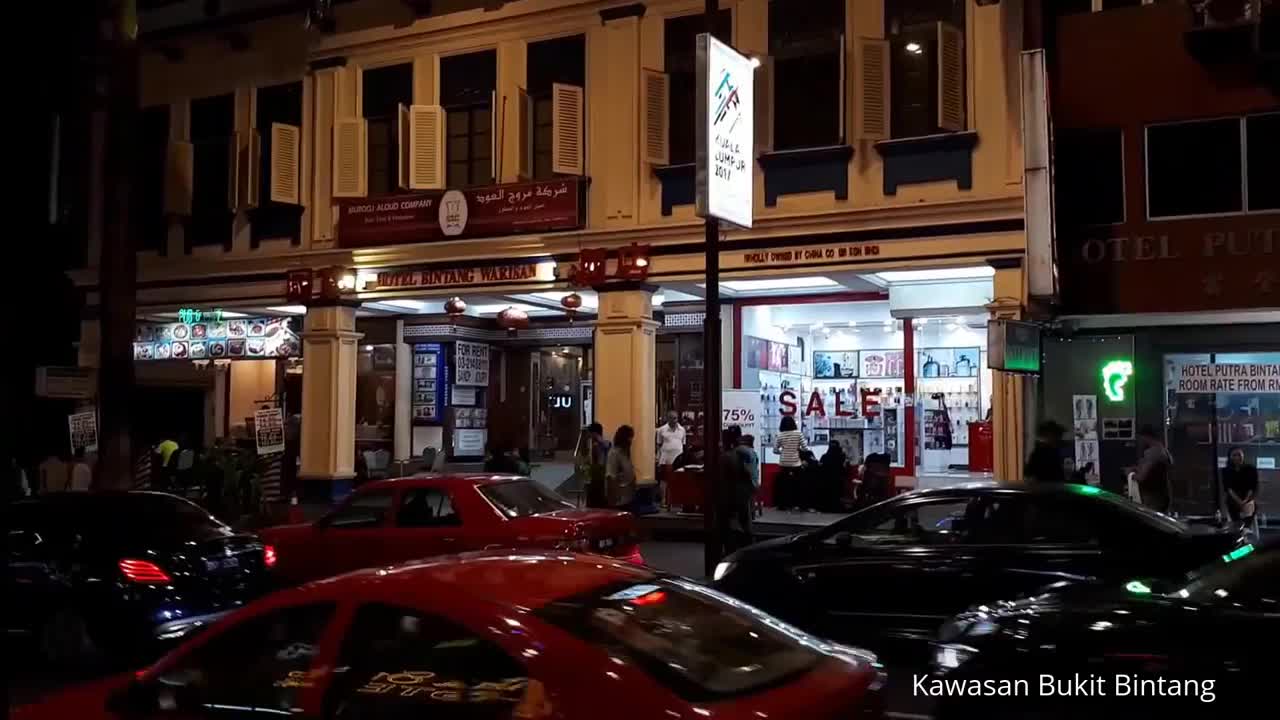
(722, 568)
(950, 656)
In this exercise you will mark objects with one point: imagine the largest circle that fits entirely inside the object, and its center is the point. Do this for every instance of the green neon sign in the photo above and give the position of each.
(1238, 553)
(1115, 375)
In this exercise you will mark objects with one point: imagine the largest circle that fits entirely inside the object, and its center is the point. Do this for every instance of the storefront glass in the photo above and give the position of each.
(375, 408)
(953, 389)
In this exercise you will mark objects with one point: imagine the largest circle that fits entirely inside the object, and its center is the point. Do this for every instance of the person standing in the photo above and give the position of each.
(1240, 482)
(670, 444)
(1044, 465)
(735, 491)
(835, 472)
(598, 454)
(789, 444)
(1154, 475)
(619, 473)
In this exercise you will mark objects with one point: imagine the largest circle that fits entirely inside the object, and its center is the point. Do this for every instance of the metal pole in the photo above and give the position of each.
(711, 373)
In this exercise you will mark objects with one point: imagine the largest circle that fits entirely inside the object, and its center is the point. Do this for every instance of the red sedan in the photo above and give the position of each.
(391, 521)
(494, 636)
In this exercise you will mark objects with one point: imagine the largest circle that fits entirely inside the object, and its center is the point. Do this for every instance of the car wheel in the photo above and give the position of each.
(65, 640)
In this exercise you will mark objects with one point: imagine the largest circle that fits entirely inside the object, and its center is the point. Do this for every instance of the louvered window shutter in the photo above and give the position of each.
(566, 130)
(950, 77)
(426, 147)
(286, 143)
(233, 172)
(350, 171)
(253, 170)
(871, 80)
(657, 136)
(524, 131)
(402, 146)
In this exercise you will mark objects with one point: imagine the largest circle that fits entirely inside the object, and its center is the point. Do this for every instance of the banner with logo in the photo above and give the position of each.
(452, 214)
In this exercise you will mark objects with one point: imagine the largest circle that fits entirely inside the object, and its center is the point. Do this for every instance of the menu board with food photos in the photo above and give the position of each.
(236, 339)
(428, 383)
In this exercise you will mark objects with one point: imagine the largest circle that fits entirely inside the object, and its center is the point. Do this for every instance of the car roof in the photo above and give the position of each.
(442, 480)
(513, 578)
(78, 498)
(991, 487)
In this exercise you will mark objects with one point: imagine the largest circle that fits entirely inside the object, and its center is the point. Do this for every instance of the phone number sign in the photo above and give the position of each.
(471, 364)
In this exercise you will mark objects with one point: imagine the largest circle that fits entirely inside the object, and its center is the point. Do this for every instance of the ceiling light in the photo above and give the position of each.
(588, 299)
(964, 273)
(415, 305)
(288, 309)
(779, 284)
(914, 48)
(494, 309)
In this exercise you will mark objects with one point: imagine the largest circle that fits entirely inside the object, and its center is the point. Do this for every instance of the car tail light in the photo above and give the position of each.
(269, 557)
(631, 554)
(143, 571)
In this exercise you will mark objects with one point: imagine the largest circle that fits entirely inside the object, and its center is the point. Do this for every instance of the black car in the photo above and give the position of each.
(1194, 648)
(123, 571)
(888, 576)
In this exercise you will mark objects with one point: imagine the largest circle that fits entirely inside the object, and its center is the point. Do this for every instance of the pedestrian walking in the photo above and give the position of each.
(1240, 485)
(1045, 464)
(789, 444)
(620, 474)
(734, 493)
(670, 439)
(1154, 476)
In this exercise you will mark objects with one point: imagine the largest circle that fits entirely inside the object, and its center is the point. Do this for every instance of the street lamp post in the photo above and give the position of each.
(711, 371)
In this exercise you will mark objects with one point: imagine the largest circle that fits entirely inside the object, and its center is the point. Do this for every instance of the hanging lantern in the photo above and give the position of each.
(455, 306)
(571, 303)
(513, 319)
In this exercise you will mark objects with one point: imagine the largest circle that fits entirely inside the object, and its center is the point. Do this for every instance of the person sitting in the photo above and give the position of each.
(835, 470)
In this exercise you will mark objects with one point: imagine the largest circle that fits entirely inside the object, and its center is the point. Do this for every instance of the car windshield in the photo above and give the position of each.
(521, 498)
(1152, 517)
(700, 643)
(135, 516)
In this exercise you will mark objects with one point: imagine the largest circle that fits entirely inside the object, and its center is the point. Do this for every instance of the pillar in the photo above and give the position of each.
(1008, 391)
(329, 347)
(402, 444)
(624, 369)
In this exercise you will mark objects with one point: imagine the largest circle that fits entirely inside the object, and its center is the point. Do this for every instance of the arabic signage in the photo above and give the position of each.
(725, 171)
(455, 214)
(1229, 378)
(242, 338)
(455, 277)
(471, 363)
(268, 430)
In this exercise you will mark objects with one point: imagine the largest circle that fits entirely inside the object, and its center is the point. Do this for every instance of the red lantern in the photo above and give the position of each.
(513, 319)
(455, 306)
(592, 267)
(633, 262)
(571, 303)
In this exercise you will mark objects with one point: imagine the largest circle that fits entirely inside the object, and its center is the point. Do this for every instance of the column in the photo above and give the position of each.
(1008, 391)
(624, 369)
(329, 347)
(403, 429)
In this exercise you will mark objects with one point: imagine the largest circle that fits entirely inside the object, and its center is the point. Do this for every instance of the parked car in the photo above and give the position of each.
(100, 573)
(390, 521)
(533, 636)
(1183, 647)
(889, 575)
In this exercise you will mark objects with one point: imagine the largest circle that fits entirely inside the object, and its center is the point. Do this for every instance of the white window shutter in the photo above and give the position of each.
(350, 168)
(179, 177)
(286, 144)
(657, 136)
(253, 170)
(871, 81)
(566, 129)
(233, 172)
(495, 133)
(524, 130)
(842, 90)
(764, 106)
(426, 147)
(950, 77)
(402, 146)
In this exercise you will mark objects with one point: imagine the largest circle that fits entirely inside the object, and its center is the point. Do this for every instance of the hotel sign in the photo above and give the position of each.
(458, 214)
(464, 276)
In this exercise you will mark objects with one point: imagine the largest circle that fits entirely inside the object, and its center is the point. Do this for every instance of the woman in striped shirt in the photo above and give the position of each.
(788, 445)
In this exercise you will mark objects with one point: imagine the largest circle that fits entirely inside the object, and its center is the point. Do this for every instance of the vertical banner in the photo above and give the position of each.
(84, 431)
(724, 159)
(1084, 430)
(268, 430)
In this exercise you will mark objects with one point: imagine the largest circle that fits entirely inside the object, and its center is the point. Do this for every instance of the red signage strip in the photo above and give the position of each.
(455, 214)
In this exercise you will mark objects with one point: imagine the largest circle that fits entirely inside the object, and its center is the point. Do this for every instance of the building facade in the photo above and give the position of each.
(342, 182)
(1168, 243)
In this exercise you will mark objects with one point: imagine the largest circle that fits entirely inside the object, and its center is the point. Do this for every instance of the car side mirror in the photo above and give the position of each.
(843, 540)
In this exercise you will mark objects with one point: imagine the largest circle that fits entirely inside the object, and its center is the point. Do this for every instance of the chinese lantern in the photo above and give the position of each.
(455, 306)
(571, 303)
(513, 319)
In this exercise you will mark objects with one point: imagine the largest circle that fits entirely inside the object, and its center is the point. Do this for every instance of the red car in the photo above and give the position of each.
(494, 636)
(391, 521)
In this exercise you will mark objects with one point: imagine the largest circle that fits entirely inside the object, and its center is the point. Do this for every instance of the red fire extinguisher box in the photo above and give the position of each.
(981, 446)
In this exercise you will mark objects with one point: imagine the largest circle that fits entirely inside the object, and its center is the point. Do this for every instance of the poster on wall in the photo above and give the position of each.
(464, 396)
(881, 363)
(1084, 422)
(744, 409)
(1258, 377)
(757, 352)
(948, 362)
(835, 364)
(471, 363)
(777, 356)
(268, 430)
(428, 383)
(84, 432)
(469, 443)
(239, 338)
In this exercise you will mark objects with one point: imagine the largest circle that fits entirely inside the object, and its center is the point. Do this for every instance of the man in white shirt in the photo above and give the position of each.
(670, 444)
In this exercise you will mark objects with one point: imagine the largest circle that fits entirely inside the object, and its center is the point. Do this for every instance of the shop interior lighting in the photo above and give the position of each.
(495, 309)
(976, 272)
(589, 300)
(415, 305)
(286, 309)
(800, 283)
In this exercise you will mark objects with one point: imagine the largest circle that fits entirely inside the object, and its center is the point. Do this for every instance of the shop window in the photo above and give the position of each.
(551, 62)
(467, 84)
(400, 663)
(250, 665)
(1263, 135)
(375, 409)
(212, 126)
(1089, 177)
(1194, 168)
(807, 49)
(365, 510)
(680, 55)
(153, 148)
(275, 104)
(427, 507)
(383, 91)
(927, 69)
